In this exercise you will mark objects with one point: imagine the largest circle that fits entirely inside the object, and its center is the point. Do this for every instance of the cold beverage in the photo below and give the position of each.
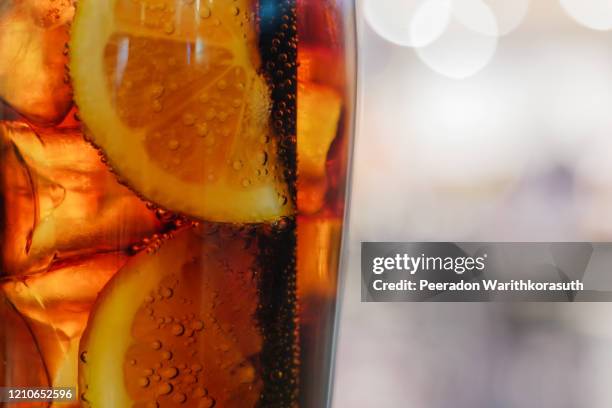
(172, 193)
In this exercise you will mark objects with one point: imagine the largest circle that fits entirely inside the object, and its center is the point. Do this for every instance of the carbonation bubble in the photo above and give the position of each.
(180, 398)
(178, 329)
(188, 119)
(204, 11)
(164, 388)
(169, 372)
(206, 402)
(202, 129)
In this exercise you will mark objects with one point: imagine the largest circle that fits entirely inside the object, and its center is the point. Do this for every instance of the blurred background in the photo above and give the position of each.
(479, 120)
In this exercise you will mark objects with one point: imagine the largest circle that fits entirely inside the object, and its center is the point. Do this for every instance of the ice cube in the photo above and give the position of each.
(61, 201)
(318, 116)
(56, 305)
(20, 361)
(33, 79)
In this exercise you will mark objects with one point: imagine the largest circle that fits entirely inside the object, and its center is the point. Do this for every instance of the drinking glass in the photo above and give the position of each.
(173, 176)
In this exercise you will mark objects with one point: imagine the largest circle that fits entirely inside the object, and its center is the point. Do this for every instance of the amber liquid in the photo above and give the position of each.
(68, 226)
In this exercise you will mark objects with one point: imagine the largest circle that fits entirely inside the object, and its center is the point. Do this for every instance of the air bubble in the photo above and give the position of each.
(197, 325)
(152, 404)
(202, 129)
(178, 329)
(200, 392)
(167, 292)
(190, 379)
(263, 158)
(157, 106)
(147, 371)
(173, 144)
(196, 367)
(169, 372)
(221, 85)
(204, 12)
(246, 375)
(83, 357)
(164, 388)
(237, 165)
(206, 402)
(157, 90)
(188, 119)
(143, 382)
(180, 398)
(236, 103)
(169, 27)
(246, 182)
(166, 355)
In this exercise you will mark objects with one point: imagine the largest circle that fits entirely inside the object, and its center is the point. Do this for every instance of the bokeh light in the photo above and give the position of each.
(460, 52)
(594, 14)
(407, 22)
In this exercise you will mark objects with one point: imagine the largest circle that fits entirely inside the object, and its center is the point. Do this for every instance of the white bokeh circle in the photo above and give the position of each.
(594, 14)
(394, 20)
(508, 13)
(460, 52)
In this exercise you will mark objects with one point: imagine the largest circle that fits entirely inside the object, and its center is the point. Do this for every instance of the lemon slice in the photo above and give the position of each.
(170, 91)
(177, 328)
